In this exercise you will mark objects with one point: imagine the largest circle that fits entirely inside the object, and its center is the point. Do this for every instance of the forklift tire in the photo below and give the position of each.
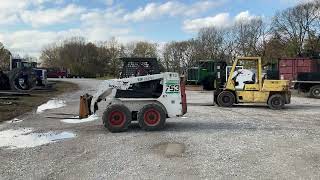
(315, 92)
(226, 99)
(152, 117)
(116, 118)
(276, 102)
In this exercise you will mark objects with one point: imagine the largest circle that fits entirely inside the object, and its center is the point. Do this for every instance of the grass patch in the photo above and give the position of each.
(25, 104)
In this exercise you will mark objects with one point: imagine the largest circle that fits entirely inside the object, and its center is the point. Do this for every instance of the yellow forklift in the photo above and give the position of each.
(275, 93)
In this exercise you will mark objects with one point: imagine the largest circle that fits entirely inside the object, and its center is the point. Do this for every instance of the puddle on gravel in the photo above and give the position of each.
(24, 138)
(170, 149)
(51, 104)
(75, 120)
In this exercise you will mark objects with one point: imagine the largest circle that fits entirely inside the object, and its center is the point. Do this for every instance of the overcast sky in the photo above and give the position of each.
(28, 25)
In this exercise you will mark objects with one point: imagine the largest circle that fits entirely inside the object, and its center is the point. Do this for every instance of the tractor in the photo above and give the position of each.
(22, 76)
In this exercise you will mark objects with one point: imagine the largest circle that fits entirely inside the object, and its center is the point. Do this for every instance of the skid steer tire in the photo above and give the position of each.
(226, 99)
(276, 102)
(152, 117)
(116, 118)
(315, 92)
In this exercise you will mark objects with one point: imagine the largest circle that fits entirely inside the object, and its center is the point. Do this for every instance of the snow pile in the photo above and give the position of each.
(15, 120)
(52, 104)
(75, 120)
(23, 138)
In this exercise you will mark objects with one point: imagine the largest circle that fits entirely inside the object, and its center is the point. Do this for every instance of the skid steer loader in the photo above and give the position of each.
(145, 97)
(274, 93)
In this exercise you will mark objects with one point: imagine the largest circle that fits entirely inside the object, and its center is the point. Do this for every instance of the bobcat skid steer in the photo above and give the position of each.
(145, 97)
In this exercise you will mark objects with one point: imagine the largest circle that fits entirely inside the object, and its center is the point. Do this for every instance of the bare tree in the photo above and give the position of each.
(140, 49)
(297, 24)
(179, 56)
(248, 36)
(114, 51)
(209, 43)
(50, 55)
(4, 58)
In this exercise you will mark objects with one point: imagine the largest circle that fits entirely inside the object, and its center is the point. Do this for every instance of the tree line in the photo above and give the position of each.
(292, 32)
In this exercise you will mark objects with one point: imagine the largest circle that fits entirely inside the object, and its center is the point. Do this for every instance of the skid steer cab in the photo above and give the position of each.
(244, 87)
(147, 99)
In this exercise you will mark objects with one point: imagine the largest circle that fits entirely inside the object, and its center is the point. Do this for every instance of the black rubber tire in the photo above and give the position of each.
(14, 78)
(110, 120)
(149, 123)
(315, 92)
(226, 99)
(276, 102)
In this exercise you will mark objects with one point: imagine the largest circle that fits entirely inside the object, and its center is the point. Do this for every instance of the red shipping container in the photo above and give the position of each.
(290, 67)
(304, 69)
(305, 62)
(285, 63)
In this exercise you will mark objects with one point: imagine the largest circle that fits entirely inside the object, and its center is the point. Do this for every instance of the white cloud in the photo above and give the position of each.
(8, 19)
(51, 16)
(13, 5)
(94, 24)
(221, 20)
(11, 10)
(170, 8)
(110, 16)
(101, 25)
(109, 2)
(31, 41)
(245, 16)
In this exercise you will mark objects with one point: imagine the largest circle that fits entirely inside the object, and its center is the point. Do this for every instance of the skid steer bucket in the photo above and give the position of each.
(85, 103)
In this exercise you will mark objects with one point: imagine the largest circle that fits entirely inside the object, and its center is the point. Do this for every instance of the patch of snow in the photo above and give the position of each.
(15, 120)
(75, 120)
(184, 117)
(52, 104)
(23, 138)
(2, 125)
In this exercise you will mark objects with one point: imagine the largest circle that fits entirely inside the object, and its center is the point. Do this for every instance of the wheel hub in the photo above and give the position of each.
(226, 99)
(276, 102)
(116, 118)
(316, 92)
(152, 117)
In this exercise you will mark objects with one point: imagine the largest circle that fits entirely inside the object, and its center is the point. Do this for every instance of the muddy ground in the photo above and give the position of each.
(19, 105)
(243, 142)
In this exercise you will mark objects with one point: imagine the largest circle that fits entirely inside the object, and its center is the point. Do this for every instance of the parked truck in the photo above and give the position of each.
(308, 83)
(205, 73)
(304, 74)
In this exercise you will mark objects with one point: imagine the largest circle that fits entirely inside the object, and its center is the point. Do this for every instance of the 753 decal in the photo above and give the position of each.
(172, 88)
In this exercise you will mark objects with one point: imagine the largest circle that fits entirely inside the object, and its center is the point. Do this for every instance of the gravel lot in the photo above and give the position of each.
(243, 142)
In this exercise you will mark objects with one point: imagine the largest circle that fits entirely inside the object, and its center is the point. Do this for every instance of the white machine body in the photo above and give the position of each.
(170, 99)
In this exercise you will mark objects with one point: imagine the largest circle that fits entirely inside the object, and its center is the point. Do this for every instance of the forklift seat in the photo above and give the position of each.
(249, 82)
